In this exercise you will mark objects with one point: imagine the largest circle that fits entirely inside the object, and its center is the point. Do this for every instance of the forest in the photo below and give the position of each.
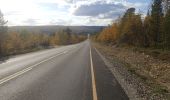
(16, 42)
(134, 29)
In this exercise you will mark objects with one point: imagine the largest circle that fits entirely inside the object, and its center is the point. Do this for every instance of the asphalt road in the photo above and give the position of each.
(73, 72)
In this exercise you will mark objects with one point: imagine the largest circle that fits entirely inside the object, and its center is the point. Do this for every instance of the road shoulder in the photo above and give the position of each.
(134, 86)
(106, 84)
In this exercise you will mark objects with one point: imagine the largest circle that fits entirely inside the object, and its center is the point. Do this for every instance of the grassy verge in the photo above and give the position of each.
(156, 53)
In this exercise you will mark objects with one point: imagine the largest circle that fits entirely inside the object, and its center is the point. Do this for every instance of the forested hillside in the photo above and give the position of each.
(138, 46)
(25, 40)
(150, 31)
(50, 29)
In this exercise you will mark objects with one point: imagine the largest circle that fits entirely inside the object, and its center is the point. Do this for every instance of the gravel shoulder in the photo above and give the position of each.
(141, 76)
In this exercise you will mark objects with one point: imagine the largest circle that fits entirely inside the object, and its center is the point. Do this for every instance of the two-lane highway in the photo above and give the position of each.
(73, 72)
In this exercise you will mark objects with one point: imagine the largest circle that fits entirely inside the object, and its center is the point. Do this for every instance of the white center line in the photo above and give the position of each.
(93, 77)
(27, 69)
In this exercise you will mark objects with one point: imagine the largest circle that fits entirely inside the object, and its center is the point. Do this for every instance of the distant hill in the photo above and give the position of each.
(53, 29)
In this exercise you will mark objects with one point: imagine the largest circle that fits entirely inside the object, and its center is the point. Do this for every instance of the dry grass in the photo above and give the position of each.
(152, 66)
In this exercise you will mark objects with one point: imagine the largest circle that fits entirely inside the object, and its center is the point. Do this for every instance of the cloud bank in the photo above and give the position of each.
(98, 8)
(67, 12)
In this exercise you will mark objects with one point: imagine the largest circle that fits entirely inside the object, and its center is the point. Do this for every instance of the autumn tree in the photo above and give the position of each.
(147, 31)
(166, 29)
(74, 38)
(44, 40)
(67, 33)
(131, 28)
(62, 37)
(152, 31)
(54, 39)
(108, 35)
(12, 44)
(156, 19)
(3, 30)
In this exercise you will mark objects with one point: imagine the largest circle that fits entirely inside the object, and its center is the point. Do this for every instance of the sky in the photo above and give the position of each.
(67, 12)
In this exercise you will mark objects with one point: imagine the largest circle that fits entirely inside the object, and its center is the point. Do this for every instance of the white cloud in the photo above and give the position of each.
(100, 9)
(64, 12)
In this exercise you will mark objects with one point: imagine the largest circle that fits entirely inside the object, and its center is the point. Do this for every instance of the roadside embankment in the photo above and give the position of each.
(143, 76)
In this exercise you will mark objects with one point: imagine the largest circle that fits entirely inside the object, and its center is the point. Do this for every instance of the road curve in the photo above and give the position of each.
(62, 73)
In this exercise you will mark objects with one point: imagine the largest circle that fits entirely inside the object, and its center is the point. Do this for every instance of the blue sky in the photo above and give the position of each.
(67, 12)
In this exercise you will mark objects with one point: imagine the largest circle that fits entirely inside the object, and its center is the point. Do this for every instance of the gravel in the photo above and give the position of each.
(131, 68)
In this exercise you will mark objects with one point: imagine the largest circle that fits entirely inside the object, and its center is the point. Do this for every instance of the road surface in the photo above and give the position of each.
(74, 72)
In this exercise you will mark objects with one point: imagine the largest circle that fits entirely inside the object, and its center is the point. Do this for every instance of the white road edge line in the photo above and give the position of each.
(27, 69)
(93, 77)
(97, 51)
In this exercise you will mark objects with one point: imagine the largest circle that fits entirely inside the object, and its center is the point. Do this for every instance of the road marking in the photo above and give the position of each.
(14, 75)
(97, 51)
(6, 79)
(93, 78)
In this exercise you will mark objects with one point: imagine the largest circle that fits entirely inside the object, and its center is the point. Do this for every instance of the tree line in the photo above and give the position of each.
(13, 42)
(132, 28)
